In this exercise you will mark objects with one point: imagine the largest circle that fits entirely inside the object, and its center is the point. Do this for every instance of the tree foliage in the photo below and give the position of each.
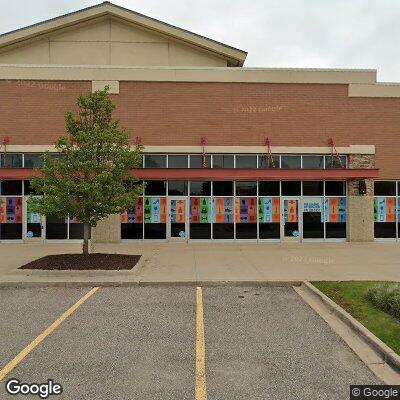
(91, 177)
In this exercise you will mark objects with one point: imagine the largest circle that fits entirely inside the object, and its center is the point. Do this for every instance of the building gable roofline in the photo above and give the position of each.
(235, 57)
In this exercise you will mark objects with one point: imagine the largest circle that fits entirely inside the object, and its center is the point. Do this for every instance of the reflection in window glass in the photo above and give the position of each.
(200, 188)
(33, 160)
(177, 161)
(177, 188)
(265, 161)
(246, 188)
(200, 161)
(11, 160)
(222, 161)
(313, 162)
(246, 161)
(155, 161)
(290, 161)
(335, 162)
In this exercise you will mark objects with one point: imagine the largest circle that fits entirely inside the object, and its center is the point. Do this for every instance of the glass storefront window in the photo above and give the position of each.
(200, 188)
(177, 161)
(200, 218)
(291, 188)
(33, 160)
(335, 216)
(385, 217)
(56, 228)
(10, 218)
(246, 188)
(246, 161)
(155, 161)
(313, 220)
(385, 188)
(292, 162)
(313, 162)
(155, 188)
(313, 188)
(11, 188)
(223, 188)
(269, 188)
(11, 160)
(155, 217)
(223, 226)
(246, 217)
(335, 162)
(132, 221)
(265, 161)
(335, 188)
(269, 217)
(177, 188)
(198, 161)
(222, 161)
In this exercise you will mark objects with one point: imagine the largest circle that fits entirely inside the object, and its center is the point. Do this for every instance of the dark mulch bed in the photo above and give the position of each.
(84, 262)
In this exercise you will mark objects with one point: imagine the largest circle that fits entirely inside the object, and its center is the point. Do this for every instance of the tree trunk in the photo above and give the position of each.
(86, 234)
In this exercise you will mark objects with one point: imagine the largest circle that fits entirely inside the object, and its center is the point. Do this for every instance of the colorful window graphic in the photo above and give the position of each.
(245, 210)
(269, 209)
(155, 210)
(178, 208)
(10, 210)
(200, 210)
(290, 211)
(223, 210)
(384, 209)
(335, 209)
(134, 215)
(31, 217)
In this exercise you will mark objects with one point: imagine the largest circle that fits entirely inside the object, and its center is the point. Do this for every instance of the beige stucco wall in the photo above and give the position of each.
(108, 230)
(109, 41)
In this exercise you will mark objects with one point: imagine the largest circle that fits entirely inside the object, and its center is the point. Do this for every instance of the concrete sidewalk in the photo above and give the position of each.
(213, 263)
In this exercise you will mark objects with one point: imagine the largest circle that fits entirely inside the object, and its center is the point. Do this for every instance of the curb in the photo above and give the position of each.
(388, 355)
(25, 285)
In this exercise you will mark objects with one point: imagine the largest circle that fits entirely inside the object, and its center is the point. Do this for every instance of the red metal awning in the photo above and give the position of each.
(225, 173)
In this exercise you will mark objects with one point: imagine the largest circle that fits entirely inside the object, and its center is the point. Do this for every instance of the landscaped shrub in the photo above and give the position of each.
(386, 297)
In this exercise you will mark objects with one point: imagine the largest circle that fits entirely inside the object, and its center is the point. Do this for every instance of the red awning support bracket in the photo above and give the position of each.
(203, 143)
(269, 152)
(334, 152)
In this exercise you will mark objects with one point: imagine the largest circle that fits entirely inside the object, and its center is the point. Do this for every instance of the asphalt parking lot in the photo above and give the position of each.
(141, 343)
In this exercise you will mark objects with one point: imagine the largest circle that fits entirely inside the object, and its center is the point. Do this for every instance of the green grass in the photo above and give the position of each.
(352, 297)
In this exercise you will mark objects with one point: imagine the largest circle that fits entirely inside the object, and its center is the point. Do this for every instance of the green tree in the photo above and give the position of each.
(91, 178)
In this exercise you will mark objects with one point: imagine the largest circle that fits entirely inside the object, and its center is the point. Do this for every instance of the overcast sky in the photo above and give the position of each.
(275, 33)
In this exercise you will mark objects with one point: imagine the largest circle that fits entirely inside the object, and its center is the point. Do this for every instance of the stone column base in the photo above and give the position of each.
(360, 212)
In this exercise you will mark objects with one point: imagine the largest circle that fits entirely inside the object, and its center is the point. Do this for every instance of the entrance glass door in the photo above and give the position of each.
(34, 225)
(178, 222)
(291, 226)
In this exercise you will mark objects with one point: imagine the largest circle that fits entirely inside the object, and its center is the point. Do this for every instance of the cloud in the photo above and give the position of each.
(276, 33)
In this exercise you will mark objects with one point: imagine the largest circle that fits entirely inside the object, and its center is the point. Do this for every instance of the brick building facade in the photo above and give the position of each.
(231, 153)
